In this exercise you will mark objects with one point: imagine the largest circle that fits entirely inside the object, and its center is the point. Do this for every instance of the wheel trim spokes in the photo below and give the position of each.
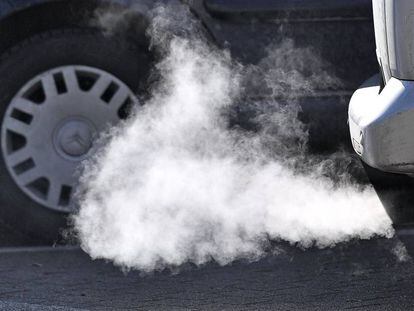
(49, 127)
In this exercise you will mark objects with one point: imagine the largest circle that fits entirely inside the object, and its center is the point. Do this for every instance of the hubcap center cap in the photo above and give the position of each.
(74, 138)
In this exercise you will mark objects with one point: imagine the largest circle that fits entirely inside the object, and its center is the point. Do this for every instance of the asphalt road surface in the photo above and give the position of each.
(361, 275)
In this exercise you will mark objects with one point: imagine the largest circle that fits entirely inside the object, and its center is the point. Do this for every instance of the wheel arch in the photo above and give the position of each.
(20, 20)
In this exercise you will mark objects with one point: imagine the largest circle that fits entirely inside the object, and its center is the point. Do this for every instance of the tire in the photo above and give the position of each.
(396, 193)
(128, 62)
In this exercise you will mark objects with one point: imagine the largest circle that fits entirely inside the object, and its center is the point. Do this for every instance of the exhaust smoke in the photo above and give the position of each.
(178, 182)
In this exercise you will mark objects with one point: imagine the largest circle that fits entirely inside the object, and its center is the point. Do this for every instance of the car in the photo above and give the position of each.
(63, 80)
(381, 111)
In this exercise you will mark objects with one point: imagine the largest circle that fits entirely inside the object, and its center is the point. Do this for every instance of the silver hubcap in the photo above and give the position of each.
(50, 125)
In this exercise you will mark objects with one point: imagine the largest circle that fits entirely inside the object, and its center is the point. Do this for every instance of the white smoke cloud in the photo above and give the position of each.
(176, 184)
(401, 252)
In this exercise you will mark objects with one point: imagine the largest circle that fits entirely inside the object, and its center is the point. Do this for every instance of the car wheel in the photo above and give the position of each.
(58, 91)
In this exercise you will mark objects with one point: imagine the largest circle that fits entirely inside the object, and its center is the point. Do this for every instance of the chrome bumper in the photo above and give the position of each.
(382, 124)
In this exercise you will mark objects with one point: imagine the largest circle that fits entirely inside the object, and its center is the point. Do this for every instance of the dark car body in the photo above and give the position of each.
(340, 31)
(324, 48)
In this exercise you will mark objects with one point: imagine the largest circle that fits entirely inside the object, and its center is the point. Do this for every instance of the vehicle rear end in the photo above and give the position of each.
(381, 111)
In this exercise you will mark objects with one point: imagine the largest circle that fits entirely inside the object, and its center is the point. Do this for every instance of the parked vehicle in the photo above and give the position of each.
(381, 111)
(62, 81)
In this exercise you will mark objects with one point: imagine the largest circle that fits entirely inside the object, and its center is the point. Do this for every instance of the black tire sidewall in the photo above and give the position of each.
(128, 62)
